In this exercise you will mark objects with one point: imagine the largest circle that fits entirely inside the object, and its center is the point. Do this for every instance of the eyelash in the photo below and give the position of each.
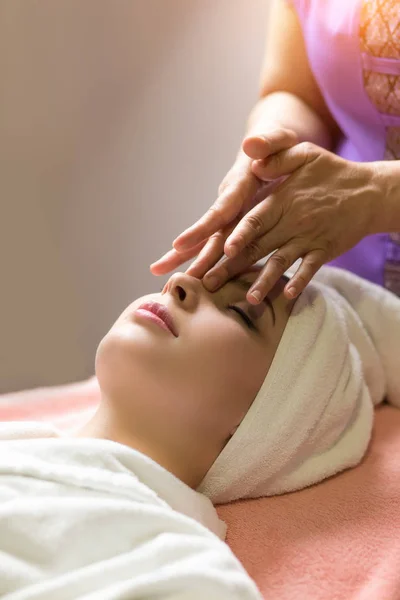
(243, 315)
(240, 312)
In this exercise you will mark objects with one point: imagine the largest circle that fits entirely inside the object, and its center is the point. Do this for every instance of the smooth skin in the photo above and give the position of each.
(180, 399)
(282, 194)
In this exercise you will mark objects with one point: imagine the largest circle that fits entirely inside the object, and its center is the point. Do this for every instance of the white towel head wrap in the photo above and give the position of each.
(312, 417)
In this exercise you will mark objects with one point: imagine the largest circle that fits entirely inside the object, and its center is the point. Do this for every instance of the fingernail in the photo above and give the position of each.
(212, 282)
(291, 292)
(256, 294)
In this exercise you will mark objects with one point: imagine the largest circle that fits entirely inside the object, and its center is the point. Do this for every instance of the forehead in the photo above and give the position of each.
(251, 273)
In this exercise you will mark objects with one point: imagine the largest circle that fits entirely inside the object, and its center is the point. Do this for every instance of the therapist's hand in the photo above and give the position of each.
(323, 208)
(238, 193)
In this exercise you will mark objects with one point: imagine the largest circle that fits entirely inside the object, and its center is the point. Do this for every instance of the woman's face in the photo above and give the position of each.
(191, 390)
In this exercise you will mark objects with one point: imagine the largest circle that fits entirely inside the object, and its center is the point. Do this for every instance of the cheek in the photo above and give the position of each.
(228, 367)
(229, 349)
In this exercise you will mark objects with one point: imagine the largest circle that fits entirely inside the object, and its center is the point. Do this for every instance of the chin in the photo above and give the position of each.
(116, 369)
(125, 367)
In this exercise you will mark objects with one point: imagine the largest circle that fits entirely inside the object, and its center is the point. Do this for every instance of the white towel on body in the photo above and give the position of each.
(93, 519)
(339, 356)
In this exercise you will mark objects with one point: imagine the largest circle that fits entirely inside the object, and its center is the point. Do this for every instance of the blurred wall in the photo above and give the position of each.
(118, 120)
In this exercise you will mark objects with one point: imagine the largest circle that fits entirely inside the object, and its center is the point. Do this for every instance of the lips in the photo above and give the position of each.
(160, 311)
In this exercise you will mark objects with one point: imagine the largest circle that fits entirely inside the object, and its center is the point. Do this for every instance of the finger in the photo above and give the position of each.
(208, 257)
(277, 264)
(212, 252)
(261, 146)
(173, 259)
(309, 266)
(229, 267)
(256, 223)
(285, 162)
(222, 212)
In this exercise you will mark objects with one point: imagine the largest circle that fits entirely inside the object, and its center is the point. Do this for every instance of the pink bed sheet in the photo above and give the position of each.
(337, 540)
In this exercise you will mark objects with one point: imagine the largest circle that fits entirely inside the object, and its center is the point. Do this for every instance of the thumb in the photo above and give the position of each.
(263, 145)
(285, 162)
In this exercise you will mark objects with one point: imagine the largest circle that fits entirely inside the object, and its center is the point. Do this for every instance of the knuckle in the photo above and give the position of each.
(217, 236)
(224, 185)
(308, 271)
(329, 250)
(302, 280)
(310, 265)
(215, 212)
(305, 221)
(265, 136)
(293, 136)
(221, 188)
(275, 162)
(223, 271)
(290, 135)
(232, 179)
(253, 252)
(255, 223)
(241, 195)
(241, 239)
(233, 187)
(280, 261)
(308, 148)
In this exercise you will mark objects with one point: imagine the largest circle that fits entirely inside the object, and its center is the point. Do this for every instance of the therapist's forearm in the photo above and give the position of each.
(386, 212)
(283, 109)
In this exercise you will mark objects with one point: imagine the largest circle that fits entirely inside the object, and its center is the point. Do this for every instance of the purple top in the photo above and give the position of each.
(354, 53)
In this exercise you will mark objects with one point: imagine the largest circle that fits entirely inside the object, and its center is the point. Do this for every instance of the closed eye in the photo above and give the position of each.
(243, 315)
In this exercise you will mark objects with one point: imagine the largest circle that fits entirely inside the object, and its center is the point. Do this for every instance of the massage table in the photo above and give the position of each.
(338, 540)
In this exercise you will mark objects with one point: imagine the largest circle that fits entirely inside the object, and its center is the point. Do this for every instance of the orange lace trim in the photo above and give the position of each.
(380, 37)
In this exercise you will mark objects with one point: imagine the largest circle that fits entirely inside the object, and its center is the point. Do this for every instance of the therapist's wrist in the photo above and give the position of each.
(384, 182)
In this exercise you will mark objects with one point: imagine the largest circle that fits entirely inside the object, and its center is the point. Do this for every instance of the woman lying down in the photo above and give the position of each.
(205, 399)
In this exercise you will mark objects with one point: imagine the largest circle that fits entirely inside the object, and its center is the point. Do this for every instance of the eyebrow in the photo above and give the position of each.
(246, 285)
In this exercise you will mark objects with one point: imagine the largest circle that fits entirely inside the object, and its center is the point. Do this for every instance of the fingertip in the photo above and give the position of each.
(154, 265)
(291, 292)
(195, 269)
(254, 297)
(160, 269)
(256, 146)
(212, 282)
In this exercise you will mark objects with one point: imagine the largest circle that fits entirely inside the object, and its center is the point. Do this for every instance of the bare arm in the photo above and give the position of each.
(290, 101)
(386, 214)
(289, 94)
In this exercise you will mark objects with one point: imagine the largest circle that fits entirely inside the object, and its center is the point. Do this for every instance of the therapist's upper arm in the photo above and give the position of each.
(286, 66)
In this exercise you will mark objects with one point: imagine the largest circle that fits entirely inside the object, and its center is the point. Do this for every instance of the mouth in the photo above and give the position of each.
(161, 312)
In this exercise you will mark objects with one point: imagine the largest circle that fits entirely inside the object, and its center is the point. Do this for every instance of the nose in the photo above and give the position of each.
(185, 289)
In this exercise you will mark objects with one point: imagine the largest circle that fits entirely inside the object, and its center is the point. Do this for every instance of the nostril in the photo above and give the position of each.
(181, 292)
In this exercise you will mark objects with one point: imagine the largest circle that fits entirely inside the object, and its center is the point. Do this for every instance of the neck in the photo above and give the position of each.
(107, 424)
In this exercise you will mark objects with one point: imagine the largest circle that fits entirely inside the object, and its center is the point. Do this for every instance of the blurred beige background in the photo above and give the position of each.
(118, 120)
